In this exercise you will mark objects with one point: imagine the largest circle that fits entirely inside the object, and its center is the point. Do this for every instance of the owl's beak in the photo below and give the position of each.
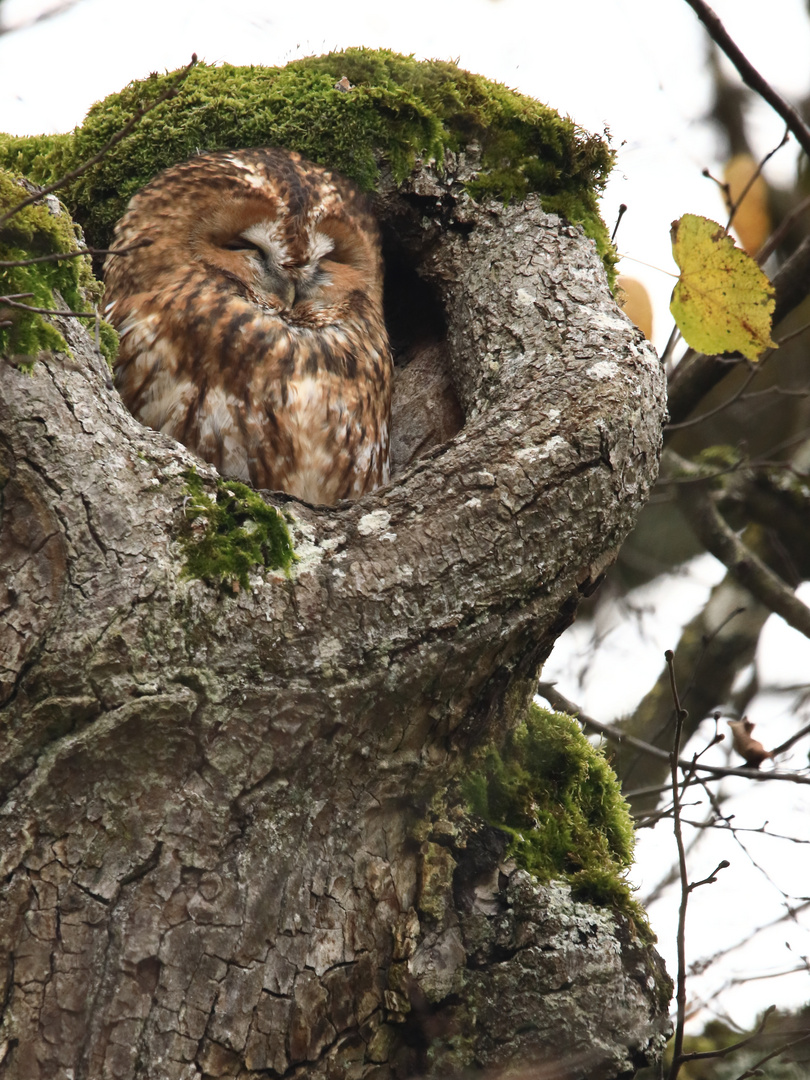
(286, 292)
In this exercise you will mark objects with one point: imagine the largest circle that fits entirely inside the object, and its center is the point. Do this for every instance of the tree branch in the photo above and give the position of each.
(6, 264)
(680, 983)
(747, 568)
(749, 74)
(562, 704)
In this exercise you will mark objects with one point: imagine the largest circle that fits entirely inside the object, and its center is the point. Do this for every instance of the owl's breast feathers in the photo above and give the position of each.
(293, 397)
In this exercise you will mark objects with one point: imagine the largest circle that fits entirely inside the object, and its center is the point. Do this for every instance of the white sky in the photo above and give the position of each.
(633, 65)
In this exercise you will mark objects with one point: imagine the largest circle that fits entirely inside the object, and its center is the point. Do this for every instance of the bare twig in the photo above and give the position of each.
(619, 216)
(734, 206)
(669, 348)
(789, 914)
(740, 394)
(66, 5)
(710, 880)
(702, 1055)
(167, 95)
(790, 281)
(749, 74)
(7, 301)
(755, 1068)
(59, 255)
(720, 408)
(562, 703)
(781, 231)
(744, 566)
(680, 984)
(786, 745)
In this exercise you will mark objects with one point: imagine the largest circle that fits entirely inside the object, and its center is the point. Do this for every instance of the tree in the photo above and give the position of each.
(237, 838)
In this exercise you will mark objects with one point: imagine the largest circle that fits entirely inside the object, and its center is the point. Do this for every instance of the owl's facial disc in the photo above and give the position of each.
(291, 275)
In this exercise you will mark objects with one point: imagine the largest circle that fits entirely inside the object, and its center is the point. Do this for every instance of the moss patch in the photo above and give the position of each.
(397, 110)
(41, 229)
(231, 533)
(559, 801)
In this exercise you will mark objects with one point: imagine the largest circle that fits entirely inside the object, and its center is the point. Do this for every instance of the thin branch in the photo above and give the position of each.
(748, 569)
(619, 216)
(765, 976)
(789, 914)
(6, 264)
(740, 394)
(779, 391)
(749, 74)
(66, 5)
(786, 745)
(7, 301)
(734, 206)
(669, 348)
(702, 1055)
(790, 281)
(167, 95)
(781, 231)
(754, 1070)
(712, 877)
(562, 704)
(680, 986)
(718, 409)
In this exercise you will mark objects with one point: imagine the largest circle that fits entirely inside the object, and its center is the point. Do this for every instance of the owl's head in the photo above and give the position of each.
(248, 300)
(293, 236)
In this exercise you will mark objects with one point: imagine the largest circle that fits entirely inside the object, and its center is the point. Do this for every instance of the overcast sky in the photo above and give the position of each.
(633, 66)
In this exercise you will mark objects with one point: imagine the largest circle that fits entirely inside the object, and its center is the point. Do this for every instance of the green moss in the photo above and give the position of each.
(33, 156)
(397, 111)
(35, 231)
(559, 801)
(232, 533)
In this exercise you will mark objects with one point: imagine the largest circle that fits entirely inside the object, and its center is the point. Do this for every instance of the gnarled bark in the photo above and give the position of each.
(208, 841)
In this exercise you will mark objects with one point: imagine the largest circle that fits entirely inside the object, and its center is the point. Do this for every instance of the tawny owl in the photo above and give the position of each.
(251, 321)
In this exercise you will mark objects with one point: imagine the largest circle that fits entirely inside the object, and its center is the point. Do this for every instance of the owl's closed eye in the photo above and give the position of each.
(252, 325)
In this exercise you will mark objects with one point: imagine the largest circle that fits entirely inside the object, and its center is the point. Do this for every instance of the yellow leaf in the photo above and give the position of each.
(722, 302)
(635, 301)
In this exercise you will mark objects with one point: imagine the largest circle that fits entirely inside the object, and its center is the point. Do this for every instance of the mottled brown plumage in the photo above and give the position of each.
(251, 324)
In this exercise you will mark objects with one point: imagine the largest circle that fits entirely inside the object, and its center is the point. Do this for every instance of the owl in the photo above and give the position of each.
(249, 304)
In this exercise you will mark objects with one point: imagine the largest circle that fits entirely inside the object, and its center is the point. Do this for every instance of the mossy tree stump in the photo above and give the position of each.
(229, 838)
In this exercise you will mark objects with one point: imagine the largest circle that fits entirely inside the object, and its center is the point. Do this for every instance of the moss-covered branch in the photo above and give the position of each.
(397, 111)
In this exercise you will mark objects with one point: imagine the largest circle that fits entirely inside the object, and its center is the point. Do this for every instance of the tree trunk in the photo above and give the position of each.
(214, 853)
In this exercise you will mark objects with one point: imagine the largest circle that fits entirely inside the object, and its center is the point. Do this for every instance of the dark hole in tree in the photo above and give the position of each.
(425, 411)
(413, 312)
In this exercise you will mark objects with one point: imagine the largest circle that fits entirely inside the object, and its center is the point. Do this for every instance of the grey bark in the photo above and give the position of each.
(211, 854)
